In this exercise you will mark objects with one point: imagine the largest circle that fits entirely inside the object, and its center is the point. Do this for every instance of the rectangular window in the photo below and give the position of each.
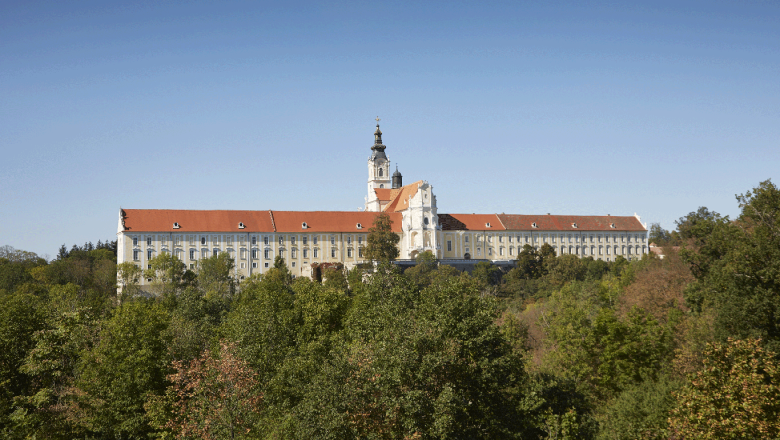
(191, 238)
(449, 245)
(215, 252)
(510, 238)
(267, 254)
(149, 254)
(192, 266)
(254, 254)
(294, 253)
(490, 251)
(281, 253)
(552, 238)
(314, 240)
(501, 251)
(192, 254)
(349, 239)
(292, 240)
(215, 240)
(254, 265)
(500, 238)
(360, 252)
(265, 240)
(467, 250)
(148, 241)
(489, 238)
(467, 239)
(281, 239)
(349, 252)
(243, 265)
(204, 253)
(242, 254)
(254, 240)
(135, 241)
(332, 240)
(511, 251)
(305, 253)
(316, 252)
(135, 255)
(479, 251)
(305, 240)
(266, 264)
(332, 252)
(293, 265)
(360, 240)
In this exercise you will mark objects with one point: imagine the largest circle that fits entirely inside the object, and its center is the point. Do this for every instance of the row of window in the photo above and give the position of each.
(242, 255)
(585, 250)
(215, 239)
(573, 238)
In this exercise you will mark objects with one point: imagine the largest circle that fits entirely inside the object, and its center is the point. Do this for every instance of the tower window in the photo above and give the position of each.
(381, 185)
(380, 172)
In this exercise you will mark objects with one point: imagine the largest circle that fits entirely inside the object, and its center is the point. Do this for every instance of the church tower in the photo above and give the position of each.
(378, 171)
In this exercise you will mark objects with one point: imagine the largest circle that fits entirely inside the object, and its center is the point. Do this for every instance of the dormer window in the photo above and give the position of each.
(574, 225)
(304, 225)
(359, 226)
(176, 225)
(487, 225)
(612, 225)
(241, 225)
(533, 225)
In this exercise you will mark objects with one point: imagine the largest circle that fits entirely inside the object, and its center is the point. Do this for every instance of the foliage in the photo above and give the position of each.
(212, 397)
(735, 395)
(382, 242)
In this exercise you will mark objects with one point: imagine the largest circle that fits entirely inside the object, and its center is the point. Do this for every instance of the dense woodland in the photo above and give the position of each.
(683, 347)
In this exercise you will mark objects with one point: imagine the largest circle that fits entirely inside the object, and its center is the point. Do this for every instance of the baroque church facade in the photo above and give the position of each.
(254, 238)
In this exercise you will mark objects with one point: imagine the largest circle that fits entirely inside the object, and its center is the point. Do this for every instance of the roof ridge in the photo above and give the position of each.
(271, 213)
(499, 221)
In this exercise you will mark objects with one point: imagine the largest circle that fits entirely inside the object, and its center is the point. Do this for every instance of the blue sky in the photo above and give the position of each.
(528, 108)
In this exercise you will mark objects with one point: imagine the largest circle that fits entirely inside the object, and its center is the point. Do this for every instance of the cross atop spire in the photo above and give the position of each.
(377, 121)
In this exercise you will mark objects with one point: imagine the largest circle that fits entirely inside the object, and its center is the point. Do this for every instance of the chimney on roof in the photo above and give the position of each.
(548, 213)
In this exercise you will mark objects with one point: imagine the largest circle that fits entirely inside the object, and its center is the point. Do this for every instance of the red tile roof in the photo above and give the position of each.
(157, 220)
(148, 220)
(564, 222)
(470, 222)
(400, 198)
(329, 221)
(385, 194)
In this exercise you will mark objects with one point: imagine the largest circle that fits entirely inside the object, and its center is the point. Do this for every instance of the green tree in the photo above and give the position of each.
(382, 242)
(737, 266)
(216, 275)
(421, 272)
(21, 315)
(167, 273)
(736, 395)
(128, 363)
(129, 275)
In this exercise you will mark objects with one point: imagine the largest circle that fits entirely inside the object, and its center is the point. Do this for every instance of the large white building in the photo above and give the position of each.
(254, 238)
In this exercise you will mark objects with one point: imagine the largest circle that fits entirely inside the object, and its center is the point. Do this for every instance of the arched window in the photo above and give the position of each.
(381, 185)
(380, 172)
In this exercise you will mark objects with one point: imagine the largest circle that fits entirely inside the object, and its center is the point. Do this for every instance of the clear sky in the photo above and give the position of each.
(518, 107)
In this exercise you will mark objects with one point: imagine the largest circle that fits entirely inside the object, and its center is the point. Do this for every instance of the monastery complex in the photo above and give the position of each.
(255, 238)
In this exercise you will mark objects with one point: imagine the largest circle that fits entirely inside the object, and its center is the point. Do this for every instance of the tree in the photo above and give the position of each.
(216, 275)
(659, 235)
(167, 273)
(212, 397)
(737, 266)
(736, 395)
(128, 363)
(382, 243)
(129, 275)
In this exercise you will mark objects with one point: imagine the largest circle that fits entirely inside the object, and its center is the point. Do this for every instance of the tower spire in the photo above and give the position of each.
(378, 148)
